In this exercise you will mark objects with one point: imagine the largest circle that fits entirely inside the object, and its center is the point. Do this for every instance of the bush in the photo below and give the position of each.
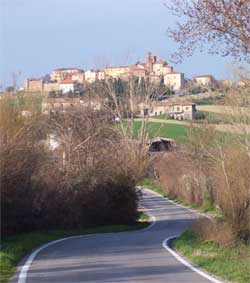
(88, 179)
(232, 177)
(180, 179)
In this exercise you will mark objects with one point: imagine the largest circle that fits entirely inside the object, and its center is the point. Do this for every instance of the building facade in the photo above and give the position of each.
(33, 85)
(68, 85)
(116, 72)
(60, 74)
(51, 86)
(204, 80)
(183, 110)
(174, 80)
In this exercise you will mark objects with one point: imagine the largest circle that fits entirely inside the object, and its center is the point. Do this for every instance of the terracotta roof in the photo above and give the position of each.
(68, 80)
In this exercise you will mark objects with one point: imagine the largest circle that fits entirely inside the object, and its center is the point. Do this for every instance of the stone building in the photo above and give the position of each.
(60, 74)
(183, 110)
(174, 80)
(68, 85)
(33, 85)
(80, 78)
(116, 72)
(204, 80)
(150, 68)
(51, 86)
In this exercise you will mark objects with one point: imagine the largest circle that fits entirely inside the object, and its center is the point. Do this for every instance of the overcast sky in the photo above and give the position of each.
(40, 35)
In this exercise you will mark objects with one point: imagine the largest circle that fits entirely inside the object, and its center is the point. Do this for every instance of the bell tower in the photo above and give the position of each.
(150, 61)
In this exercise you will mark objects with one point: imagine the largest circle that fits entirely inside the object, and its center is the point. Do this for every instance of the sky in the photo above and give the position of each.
(37, 36)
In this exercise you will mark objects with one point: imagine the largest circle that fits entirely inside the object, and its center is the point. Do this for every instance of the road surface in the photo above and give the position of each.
(125, 257)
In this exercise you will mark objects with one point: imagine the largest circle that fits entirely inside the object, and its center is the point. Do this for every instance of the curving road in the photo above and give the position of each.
(126, 257)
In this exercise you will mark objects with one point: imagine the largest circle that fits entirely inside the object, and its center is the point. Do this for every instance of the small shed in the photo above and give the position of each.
(161, 144)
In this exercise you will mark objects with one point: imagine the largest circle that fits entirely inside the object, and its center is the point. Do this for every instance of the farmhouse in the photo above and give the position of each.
(183, 110)
(174, 80)
(204, 80)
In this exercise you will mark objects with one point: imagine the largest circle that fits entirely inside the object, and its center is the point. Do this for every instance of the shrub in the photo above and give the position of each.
(180, 179)
(89, 179)
(232, 177)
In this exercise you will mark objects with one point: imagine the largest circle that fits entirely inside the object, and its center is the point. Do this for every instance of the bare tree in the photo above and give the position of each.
(223, 25)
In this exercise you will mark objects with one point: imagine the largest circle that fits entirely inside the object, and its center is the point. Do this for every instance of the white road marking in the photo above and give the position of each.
(166, 246)
(22, 278)
(23, 273)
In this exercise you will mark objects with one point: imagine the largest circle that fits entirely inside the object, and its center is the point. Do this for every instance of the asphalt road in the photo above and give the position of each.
(126, 257)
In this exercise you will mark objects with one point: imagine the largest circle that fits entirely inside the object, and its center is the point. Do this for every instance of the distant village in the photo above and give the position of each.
(74, 79)
(158, 72)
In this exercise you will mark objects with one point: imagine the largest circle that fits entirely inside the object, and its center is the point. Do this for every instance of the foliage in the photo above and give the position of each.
(10, 89)
(220, 99)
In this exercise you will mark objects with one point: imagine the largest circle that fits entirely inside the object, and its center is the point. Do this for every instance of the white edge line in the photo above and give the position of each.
(25, 268)
(166, 246)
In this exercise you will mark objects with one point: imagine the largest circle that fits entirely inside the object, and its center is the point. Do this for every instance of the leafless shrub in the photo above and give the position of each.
(179, 178)
(88, 179)
(233, 190)
(217, 231)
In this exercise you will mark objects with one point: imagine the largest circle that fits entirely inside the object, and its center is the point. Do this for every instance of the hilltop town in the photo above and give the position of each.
(74, 79)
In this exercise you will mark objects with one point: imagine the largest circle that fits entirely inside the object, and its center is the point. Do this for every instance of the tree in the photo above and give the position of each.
(10, 89)
(223, 25)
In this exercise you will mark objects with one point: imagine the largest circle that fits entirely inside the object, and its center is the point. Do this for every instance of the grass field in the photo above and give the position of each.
(221, 109)
(230, 263)
(176, 132)
(15, 248)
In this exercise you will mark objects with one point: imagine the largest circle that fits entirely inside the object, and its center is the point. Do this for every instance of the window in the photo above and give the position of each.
(178, 108)
(187, 108)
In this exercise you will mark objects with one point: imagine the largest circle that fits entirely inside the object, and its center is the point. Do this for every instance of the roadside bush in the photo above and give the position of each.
(88, 179)
(180, 179)
(232, 177)
(217, 231)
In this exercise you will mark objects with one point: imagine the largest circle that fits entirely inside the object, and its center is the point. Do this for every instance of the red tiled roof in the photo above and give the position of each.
(68, 80)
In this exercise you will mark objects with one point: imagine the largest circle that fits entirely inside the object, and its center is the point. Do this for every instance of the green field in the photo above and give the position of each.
(230, 263)
(173, 131)
(15, 248)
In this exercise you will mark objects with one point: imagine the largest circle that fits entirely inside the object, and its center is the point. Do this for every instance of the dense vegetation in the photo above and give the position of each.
(75, 185)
